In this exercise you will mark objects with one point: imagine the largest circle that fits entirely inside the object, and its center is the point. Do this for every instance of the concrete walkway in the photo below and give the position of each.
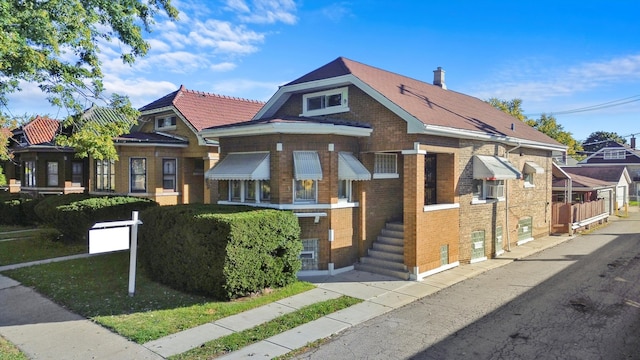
(44, 330)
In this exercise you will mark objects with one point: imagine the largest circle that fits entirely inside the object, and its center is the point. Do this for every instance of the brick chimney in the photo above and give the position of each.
(438, 78)
(633, 142)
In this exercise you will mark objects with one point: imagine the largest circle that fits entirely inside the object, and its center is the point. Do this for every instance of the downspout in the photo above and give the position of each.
(506, 201)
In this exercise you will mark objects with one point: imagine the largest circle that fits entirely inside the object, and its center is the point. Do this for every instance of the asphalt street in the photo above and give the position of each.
(577, 300)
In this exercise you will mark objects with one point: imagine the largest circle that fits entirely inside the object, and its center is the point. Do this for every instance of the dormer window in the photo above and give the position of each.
(325, 102)
(167, 122)
(614, 154)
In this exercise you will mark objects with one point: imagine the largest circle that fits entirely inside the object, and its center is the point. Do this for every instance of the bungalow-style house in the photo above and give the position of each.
(387, 173)
(613, 153)
(164, 157)
(39, 166)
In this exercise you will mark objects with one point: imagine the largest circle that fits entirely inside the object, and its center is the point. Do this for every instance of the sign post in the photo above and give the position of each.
(114, 236)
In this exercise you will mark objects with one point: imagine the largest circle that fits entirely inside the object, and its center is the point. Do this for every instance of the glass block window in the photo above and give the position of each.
(309, 254)
(525, 228)
(444, 255)
(498, 242)
(477, 244)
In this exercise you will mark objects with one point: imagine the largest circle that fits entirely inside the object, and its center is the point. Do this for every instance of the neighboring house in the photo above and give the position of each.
(39, 166)
(615, 176)
(388, 173)
(579, 200)
(164, 158)
(614, 153)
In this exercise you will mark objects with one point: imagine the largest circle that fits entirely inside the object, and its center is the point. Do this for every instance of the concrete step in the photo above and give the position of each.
(395, 226)
(404, 275)
(385, 255)
(394, 249)
(389, 240)
(392, 233)
(381, 263)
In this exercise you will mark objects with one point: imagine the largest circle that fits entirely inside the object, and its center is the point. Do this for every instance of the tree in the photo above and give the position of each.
(55, 44)
(599, 139)
(546, 124)
(511, 107)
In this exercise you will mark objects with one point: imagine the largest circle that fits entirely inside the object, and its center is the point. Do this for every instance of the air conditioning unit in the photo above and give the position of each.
(495, 191)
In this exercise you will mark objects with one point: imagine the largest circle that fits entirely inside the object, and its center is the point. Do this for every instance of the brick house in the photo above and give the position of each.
(164, 157)
(387, 173)
(39, 166)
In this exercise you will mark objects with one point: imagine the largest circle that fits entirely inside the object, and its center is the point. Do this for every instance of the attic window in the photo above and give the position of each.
(614, 154)
(167, 122)
(325, 102)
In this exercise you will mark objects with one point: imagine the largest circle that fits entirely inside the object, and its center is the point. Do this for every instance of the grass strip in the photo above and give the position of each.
(34, 245)
(97, 288)
(8, 351)
(271, 328)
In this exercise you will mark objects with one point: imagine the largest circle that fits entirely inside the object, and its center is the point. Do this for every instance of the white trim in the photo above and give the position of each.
(343, 107)
(421, 276)
(386, 176)
(524, 241)
(331, 271)
(341, 205)
(287, 128)
(437, 207)
(147, 144)
(588, 221)
(480, 259)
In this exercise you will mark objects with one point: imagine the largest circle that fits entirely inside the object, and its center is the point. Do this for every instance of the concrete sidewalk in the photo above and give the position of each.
(44, 330)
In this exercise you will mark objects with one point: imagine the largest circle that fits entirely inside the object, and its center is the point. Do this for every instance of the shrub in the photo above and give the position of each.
(16, 211)
(74, 214)
(224, 252)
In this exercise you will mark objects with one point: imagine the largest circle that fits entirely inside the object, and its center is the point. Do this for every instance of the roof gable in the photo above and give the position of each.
(632, 156)
(41, 130)
(432, 106)
(611, 174)
(202, 110)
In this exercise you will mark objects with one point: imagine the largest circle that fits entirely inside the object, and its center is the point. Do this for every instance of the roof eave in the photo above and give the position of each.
(280, 128)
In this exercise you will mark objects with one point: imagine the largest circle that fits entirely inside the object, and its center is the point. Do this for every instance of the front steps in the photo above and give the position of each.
(386, 257)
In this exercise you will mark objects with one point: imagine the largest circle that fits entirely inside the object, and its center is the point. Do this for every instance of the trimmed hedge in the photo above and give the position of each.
(17, 211)
(221, 251)
(74, 214)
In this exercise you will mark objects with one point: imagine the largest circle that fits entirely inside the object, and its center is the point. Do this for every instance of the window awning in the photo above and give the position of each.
(306, 165)
(494, 168)
(350, 168)
(241, 166)
(532, 168)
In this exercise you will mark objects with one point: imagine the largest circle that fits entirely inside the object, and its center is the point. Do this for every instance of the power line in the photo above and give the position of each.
(605, 105)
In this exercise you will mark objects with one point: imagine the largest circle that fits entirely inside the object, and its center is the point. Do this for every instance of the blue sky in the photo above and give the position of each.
(557, 56)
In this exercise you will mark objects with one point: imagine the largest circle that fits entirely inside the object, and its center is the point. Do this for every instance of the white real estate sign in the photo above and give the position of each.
(109, 239)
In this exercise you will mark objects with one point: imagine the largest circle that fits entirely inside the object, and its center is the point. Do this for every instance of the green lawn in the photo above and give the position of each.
(9, 352)
(18, 245)
(97, 288)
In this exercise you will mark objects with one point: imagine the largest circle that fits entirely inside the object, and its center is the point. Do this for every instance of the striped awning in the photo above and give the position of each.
(350, 168)
(494, 168)
(241, 166)
(306, 165)
(532, 168)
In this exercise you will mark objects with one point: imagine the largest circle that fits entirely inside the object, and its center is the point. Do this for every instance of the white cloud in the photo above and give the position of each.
(336, 11)
(156, 45)
(224, 37)
(237, 5)
(176, 62)
(541, 82)
(264, 11)
(223, 66)
(140, 91)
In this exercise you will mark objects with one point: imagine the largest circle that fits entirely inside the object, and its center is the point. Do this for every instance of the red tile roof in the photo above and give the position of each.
(205, 110)
(431, 104)
(41, 130)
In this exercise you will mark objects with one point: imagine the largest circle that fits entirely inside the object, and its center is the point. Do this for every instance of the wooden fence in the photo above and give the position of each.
(565, 216)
